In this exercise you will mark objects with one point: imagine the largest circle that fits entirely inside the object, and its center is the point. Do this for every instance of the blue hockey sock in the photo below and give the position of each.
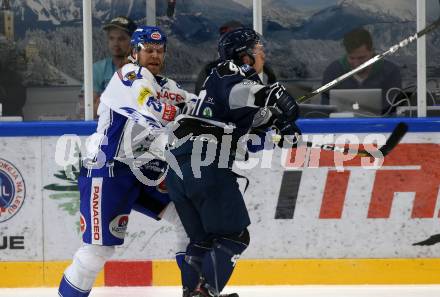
(191, 267)
(219, 264)
(66, 289)
(180, 258)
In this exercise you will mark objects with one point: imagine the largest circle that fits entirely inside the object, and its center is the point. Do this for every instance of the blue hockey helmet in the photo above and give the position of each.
(232, 44)
(148, 34)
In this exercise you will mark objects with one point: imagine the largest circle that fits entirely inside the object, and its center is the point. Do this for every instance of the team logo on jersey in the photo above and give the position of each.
(118, 226)
(209, 100)
(12, 190)
(129, 77)
(207, 112)
(170, 96)
(82, 224)
(156, 36)
(169, 112)
(144, 95)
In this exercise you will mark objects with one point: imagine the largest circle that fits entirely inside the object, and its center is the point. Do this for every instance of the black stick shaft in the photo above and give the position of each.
(370, 62)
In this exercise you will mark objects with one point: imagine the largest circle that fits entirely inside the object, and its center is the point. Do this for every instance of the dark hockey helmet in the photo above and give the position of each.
(232, 44)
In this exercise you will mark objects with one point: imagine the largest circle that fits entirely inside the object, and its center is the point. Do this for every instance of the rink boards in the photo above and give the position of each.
(317, 217)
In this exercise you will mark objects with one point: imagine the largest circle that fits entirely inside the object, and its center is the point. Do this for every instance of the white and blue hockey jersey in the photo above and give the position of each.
(134, 108)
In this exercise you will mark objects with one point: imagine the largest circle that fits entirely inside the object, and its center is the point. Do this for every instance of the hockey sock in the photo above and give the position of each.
(219, 263)
(67, 289)
(191, 267)
(180, 258)
(79, 277)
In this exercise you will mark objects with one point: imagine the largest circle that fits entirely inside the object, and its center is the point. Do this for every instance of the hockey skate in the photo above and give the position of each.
(202, 292)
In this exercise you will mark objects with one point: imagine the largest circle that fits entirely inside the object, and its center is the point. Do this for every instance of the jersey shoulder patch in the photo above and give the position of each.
(228, 68)
(129, 73)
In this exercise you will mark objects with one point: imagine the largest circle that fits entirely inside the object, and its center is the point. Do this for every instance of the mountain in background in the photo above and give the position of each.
(301, 37)
(327, 23)
(50, 14)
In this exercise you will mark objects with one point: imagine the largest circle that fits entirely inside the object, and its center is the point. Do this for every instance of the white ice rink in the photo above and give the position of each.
(253, 291)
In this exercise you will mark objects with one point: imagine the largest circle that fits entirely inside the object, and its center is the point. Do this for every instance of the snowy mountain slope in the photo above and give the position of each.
(404, 10)
(284, 14)
(299, 43)
(53, 11)
(334, 21)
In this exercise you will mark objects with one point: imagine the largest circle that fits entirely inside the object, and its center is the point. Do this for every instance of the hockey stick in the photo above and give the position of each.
(384, 150)
(366, 64)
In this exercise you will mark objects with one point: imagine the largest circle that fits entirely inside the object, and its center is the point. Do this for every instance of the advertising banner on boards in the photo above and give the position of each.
(21, 202)
(302, 203)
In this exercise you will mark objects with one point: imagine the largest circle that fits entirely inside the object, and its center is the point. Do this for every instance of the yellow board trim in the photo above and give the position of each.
(337, 271)
(318, 271)
(35, 274)
(165, 273)
(254, 272)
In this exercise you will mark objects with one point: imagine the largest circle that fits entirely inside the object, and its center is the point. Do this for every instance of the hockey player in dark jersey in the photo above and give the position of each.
(202, 147)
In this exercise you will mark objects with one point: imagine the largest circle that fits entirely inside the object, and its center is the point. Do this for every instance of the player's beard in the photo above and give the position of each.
(157, 69)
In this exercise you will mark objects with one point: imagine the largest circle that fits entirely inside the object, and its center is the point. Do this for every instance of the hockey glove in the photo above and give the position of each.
(266, 140)
(282, 103)
(187, 106)
(289, 132)
(154, 169)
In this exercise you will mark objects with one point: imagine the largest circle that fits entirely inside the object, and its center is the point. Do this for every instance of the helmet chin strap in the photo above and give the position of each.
(134, 57)
(131, 59)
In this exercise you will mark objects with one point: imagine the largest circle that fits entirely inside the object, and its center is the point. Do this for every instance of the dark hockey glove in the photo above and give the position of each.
(261, 133)
(154, 169)
(289, 132)
(282, 102)
(187, 106)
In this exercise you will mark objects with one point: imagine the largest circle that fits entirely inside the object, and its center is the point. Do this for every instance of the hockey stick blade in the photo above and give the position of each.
(389, 145)
(394, 138)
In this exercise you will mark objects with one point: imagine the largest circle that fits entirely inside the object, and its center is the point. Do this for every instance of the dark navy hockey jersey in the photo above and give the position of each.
(231, 102)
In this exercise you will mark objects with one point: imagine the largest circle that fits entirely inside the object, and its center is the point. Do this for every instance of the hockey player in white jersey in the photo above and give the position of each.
(135, 105)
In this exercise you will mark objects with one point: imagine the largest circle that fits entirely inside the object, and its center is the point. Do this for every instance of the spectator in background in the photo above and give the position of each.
(359, 48)
(12, 92)
(119, 31)
(267, 76)
(171, 7)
